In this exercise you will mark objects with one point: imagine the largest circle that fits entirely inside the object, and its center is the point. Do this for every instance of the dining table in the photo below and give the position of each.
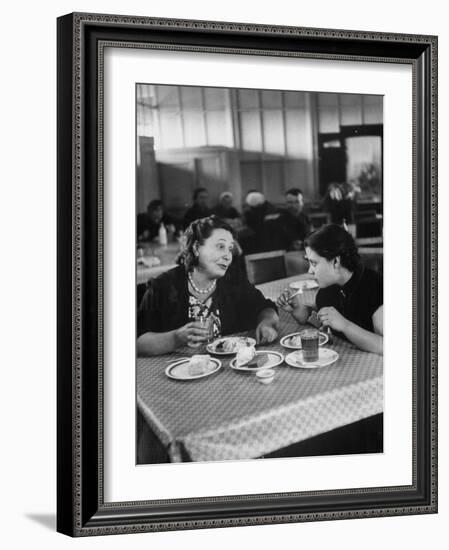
(155, 259)
(230, 415)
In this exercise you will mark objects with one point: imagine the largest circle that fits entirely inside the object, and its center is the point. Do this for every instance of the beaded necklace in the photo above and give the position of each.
(199, 290)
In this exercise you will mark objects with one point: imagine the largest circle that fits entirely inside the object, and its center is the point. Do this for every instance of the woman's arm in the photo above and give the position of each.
(301, 313)
(295, 306)
(269, 317)
(157, 343)
(363, 339)
(378, 320)
(267, 326)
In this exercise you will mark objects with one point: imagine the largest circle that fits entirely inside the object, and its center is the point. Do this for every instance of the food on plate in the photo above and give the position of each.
(245, 355)
(257, 361)
(262, 360)
(230, 345)
(295, 341)
(199, 364)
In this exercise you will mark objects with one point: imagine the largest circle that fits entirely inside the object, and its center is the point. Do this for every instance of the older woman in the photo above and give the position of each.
(203, 285)
(350, 296)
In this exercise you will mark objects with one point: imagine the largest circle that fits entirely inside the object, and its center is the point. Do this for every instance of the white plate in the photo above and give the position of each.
(179, 370)
(285, 340)
(305, 284)
(275, 359)
(211, 348)
(326, 357)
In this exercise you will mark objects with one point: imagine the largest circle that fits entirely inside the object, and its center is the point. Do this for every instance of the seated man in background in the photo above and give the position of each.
(226, 211)
(257, 210)
(149, 223)
(199, 209)
(294, 225)
(259, 215)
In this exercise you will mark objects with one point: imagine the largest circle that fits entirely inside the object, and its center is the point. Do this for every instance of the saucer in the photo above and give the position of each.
(326, 357)
(285, 341)
(179, 370)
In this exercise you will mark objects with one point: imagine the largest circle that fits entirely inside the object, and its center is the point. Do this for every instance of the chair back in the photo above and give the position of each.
(265, 266)
(369, 241)
(369, 227)
(318, 219)
(373, 258)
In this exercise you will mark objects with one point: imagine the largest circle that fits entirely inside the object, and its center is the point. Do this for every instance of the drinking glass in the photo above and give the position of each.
(207, 323)
(309, 342)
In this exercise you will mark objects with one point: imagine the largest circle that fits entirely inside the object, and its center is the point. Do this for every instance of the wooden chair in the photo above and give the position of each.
(317, 219)
(369, 227)
(365, 214)
(373, 258)
(370, 241)
(265, 266)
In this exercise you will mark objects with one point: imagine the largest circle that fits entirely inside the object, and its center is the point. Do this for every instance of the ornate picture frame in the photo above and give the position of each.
(82, 509)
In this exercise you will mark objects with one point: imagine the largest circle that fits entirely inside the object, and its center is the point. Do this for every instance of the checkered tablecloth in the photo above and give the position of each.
(230, 415)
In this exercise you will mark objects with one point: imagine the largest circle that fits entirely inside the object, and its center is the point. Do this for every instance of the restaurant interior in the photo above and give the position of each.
(257, 148)
(328, 145)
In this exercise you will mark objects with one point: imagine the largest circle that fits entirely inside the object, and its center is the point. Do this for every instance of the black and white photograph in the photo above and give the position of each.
(165, 165)
(259, 273)
(246, 274)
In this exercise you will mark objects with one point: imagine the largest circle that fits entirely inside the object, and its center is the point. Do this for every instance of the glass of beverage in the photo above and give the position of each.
(207, 323)
(309, 343)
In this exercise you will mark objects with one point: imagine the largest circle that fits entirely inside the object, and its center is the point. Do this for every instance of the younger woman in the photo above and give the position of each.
(350, 296)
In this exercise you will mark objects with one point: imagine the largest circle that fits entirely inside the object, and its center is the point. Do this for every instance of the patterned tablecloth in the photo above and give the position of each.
(230, 415)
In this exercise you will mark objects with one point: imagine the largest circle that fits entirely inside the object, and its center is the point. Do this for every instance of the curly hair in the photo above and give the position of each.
(195, 234)
(332, 240)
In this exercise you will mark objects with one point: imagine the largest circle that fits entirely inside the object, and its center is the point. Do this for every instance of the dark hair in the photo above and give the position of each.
(197, 191)
(330, 241)
(294, 191)
(154, 204)
(195, 234)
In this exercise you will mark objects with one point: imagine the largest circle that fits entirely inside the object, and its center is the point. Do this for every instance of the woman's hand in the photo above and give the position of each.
(330, 317)
(284, 300)
(191, 333)
(265, 333)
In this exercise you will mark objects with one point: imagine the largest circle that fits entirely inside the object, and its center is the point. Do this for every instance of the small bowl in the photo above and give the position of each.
(265, 376)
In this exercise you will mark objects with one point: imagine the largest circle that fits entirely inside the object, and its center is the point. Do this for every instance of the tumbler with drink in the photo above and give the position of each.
(207, 324)
(309, 343)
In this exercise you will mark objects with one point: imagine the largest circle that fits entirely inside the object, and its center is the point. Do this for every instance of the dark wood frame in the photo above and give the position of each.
(81, 507)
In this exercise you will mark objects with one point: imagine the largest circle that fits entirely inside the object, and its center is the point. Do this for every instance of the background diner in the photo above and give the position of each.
(273, 164)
